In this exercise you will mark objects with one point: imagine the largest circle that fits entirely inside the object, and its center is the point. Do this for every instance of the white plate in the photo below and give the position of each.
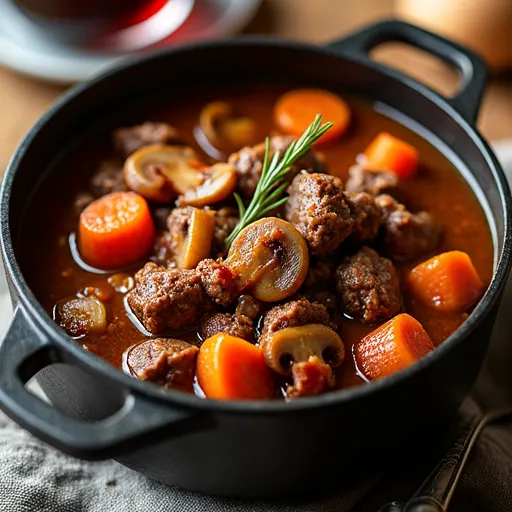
(27, 52)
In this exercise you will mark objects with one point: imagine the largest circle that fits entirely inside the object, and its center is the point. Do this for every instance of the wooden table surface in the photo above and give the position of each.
(23, 99)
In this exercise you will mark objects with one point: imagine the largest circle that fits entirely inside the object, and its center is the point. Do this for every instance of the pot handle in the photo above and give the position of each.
(139, 421)
(471, 67)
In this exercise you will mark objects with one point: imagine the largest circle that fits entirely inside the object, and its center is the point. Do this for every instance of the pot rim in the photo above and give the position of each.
(336, 398)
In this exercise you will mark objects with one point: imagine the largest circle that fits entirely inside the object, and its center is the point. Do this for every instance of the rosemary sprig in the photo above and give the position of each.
(270, 186)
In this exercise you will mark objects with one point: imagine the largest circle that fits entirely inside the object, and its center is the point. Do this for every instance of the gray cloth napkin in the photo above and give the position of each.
(36, 478)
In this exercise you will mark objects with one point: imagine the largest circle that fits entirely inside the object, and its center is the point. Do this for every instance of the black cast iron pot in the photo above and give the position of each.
(249, 448)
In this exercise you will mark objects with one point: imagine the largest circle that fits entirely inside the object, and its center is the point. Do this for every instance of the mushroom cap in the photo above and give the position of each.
(220, 132)
(159, 172)
(286, 347)
(218, 182)
(195, 245)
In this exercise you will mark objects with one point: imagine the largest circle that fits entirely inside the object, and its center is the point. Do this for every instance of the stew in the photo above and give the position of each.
(174, 242)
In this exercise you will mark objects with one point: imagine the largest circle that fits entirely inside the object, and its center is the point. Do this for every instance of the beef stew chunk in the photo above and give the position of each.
(407, 235)
(368, 287)
(319, 284)
(169, 363)
(219, 282)
(248, 163)
(310, 378)
(319, 210)
(366, 214)
(327, 216)
(128, 140)
(294, 314)
(167, 299)
(320, 273)
(372, 182)
(237, 325)
(325, 298)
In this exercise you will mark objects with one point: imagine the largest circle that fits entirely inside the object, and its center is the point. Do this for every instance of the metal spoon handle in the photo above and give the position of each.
(437, 490)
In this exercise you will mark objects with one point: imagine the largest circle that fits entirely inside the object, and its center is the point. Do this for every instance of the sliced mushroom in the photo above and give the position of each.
(218, 182)
(195, 243)
(160, 173)
(224, 132)
(294, 345)
(170, 363)
(80, 316)
(271, 259)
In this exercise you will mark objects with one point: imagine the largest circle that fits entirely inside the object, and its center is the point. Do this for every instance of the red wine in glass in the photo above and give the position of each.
(88, 22)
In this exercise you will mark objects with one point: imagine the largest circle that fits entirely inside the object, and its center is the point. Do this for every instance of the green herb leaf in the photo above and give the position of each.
(275, 169)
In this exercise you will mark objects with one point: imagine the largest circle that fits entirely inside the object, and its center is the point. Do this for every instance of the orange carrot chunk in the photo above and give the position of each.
(295, 110)
(116, 230)
(447, 282)
(230, 368)
(388, 153)
(392, 347)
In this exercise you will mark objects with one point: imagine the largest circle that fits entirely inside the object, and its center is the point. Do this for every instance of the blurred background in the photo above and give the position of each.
(46, 45)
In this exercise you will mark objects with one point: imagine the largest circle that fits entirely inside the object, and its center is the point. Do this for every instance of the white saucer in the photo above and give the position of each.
(27, 52)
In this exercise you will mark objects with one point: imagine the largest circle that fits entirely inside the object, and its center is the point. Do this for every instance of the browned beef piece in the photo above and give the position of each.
(368, 287)
(407, 235)
(370, 181)
(249, 306)
(318, 208)
(240, 326)
(128, 140)
(320, 273)
(226, 220)
(167, 298)
(294, 314)
(167, 362)
(218, 281)
(366, 214)
(326, 298)
(248, 163)
(310, 378)
(107, 179)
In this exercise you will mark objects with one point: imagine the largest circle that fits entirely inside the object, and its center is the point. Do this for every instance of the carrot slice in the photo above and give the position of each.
(388, 153)
(116, 230)
(392, 347)
(230, 368)
(295, 110)
(447, 282)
